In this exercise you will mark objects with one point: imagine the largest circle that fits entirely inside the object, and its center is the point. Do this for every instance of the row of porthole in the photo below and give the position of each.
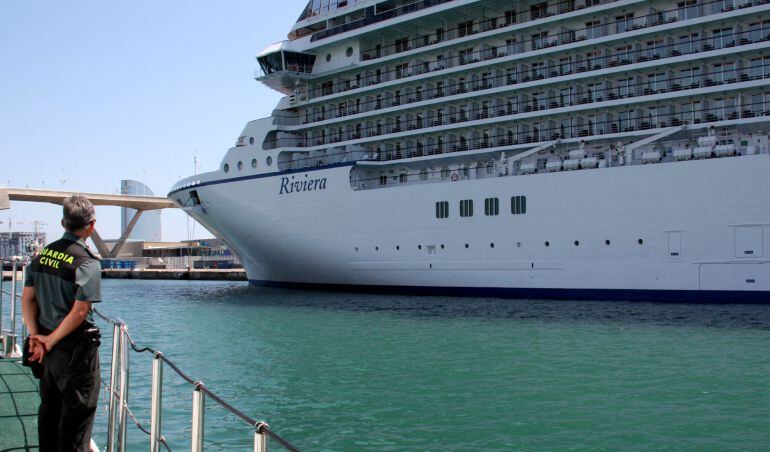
(226, 167)
(348, 53)
(518, 245)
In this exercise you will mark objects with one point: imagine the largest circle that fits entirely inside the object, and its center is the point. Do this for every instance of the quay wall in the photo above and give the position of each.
(194, 274)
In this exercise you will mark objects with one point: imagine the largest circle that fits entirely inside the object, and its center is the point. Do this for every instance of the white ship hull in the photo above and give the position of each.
(697, 230)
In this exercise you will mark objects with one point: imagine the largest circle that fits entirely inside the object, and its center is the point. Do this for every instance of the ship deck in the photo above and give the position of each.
(19, 400)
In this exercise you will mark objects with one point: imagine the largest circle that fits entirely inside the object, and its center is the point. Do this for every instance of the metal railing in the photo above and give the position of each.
(118, 409)
(119, 412)
(9, 336)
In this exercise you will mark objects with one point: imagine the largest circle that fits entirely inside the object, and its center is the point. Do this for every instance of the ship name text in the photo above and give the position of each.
(289, 185)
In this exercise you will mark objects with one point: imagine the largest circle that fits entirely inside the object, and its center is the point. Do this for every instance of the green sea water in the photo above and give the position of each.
(339, 371)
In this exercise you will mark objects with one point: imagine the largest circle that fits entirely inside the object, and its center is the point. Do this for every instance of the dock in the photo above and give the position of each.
(19, 400)
(212, 274)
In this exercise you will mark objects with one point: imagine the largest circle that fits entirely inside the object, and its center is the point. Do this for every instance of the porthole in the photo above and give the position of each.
(376, 248)
(398, 247)
(226, 168)
(466, 246)
(442, 246)
(518, 244)
(269, 161)
(349, 52)
(419, 247)
(491, 245)
(253, 163)
(251, 140)
(547, 243)
(240, 166)
(577, 243)
(607, 242)
(356, 249)
(328, 57)
(640, 241)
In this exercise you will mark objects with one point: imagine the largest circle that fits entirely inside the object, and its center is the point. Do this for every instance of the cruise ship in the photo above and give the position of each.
(576, 149)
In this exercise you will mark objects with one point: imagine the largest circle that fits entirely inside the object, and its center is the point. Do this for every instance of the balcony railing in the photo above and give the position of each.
(538, 43)
(551, 70)
(500, 141)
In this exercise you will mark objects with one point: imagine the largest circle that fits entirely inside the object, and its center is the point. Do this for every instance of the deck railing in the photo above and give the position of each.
(119, 411)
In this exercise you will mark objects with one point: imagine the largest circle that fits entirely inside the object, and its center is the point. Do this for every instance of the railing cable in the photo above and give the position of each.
(261, 427)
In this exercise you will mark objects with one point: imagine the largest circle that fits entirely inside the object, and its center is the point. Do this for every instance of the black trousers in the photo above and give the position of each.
(69, 395)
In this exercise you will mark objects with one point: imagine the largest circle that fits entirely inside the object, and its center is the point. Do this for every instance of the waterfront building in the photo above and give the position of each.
(21, 243)
(148, 227)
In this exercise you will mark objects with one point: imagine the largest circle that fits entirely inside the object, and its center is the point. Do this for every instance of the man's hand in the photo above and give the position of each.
(39, 345)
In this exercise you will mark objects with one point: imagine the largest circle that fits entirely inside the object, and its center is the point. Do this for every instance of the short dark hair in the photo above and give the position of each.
(78, 212)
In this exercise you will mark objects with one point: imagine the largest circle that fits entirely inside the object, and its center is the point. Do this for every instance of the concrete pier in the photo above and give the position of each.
(237, 274)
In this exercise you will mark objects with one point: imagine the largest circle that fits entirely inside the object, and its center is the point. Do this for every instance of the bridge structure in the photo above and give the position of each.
(139, 203)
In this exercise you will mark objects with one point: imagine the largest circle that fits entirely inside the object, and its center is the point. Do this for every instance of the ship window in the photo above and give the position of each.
(423, 174)
(640, 241)
(491, 206)
(442, 209)
(349, 52)
(402, 177)
(251, 140)
(547, 243)
(328, 57)
(253, 163)
(383, 180)
(226, 168)
(466, 208)
(269, 161)
(491, 245)
(240, 166)
(518, 205)
(607, 242)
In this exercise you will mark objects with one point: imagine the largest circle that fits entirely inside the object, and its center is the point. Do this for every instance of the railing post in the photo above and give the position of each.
(156, 401)
(114, 368)
(260, 437)
(198, 411)
(123, 418)
(1, 297)
(23, 325)
(13, 297)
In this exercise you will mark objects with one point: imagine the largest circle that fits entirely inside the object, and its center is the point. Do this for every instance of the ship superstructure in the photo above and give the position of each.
(575, 148)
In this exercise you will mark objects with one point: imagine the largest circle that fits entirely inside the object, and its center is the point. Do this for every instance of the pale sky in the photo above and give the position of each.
(92, 92)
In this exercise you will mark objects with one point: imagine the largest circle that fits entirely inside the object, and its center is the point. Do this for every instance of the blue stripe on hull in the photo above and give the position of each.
(678, 296)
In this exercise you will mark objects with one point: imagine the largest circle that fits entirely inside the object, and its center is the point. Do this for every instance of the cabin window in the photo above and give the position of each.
(402, 177)
(226, 168)
(518, 205)
(253, 163)
(383, 180)
(240, 166)
(492, 206)
(442, 209)
(466, 208)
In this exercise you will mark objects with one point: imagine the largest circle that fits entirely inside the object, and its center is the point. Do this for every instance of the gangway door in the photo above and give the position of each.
(748, 241)
(675, 244)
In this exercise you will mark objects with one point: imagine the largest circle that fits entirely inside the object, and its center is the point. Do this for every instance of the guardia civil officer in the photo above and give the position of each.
(61, 283)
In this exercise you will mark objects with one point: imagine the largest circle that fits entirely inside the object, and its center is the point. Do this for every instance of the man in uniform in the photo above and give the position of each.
(61, 283)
